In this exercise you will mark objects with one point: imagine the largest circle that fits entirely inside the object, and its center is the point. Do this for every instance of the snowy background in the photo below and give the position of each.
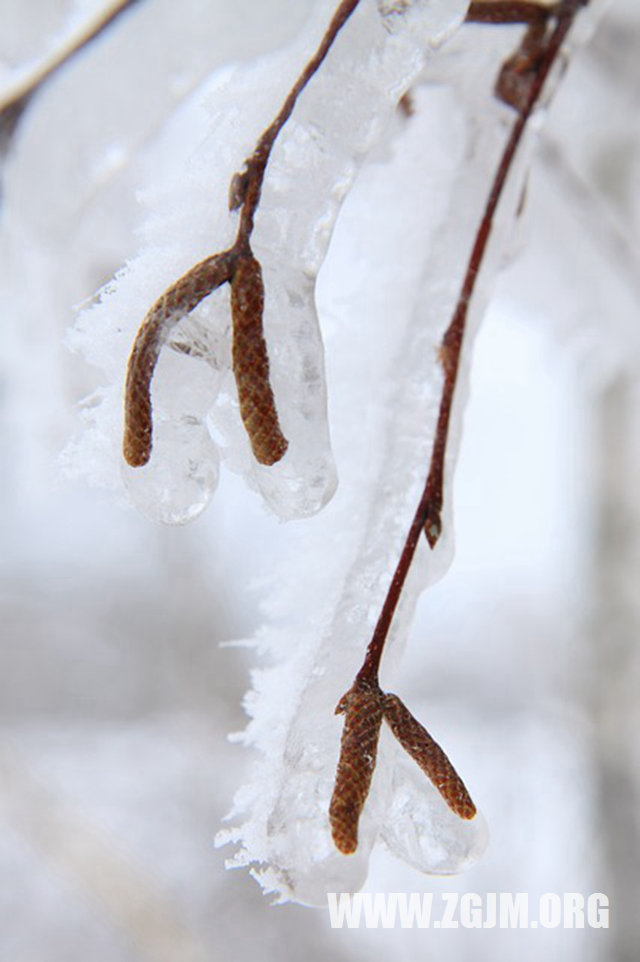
(116, 697)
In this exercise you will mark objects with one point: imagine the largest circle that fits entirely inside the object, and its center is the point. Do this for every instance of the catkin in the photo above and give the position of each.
(362, 708)
(418, 743)
(168, 310)
(251, 363)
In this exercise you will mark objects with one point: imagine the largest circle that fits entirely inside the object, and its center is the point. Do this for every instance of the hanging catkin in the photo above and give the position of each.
(362, 708)
(168, 310)
(418, 743)
(251, 363)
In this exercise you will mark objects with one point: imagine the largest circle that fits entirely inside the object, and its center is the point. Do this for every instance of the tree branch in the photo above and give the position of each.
(509, 11)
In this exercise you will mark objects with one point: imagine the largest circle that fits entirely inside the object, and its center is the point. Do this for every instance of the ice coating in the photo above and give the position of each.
(421, 829)
(178, 485)
(339, 117)
(382, 337)
(387, 293)
(342, 113)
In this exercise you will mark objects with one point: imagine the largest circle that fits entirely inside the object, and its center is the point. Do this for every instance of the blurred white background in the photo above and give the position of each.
(115, 697)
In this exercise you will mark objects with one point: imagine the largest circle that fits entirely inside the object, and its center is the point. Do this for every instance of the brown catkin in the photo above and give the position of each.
(363, 709)
(251, 363)
(168, 310)
(418, 743)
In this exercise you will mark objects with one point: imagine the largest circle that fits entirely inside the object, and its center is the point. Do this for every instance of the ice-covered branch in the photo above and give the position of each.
(242, 271)
(520, 84)
(373, 59)
(286, 835)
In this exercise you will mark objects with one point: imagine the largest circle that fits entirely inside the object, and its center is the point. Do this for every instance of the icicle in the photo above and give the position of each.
(421, 830)
(180, 482)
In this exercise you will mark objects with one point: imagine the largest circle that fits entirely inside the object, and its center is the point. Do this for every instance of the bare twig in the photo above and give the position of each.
(247, 186)
(238, 267)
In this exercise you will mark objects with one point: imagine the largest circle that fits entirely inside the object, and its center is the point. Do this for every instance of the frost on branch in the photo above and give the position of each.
(383, 318)
(395, 268)
(338, 118)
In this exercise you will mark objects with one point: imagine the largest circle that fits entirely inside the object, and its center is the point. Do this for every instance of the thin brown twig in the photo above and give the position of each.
(238, 267)
(509, 11)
